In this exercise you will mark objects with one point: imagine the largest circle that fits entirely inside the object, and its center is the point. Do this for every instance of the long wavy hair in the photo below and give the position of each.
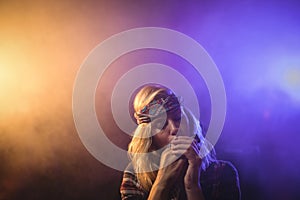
(141, 144)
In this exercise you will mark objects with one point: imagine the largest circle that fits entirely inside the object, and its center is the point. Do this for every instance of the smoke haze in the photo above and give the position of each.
(43, 43)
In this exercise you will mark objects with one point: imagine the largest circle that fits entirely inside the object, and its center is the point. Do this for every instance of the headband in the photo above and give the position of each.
(156, 108)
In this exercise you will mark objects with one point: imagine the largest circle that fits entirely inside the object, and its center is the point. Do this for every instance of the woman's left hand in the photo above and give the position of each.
(187, 146)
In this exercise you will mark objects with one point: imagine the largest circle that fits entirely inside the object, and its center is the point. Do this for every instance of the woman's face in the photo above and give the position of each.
(166, 129)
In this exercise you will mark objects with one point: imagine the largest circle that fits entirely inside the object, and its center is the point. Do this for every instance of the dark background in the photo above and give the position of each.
(255, 44)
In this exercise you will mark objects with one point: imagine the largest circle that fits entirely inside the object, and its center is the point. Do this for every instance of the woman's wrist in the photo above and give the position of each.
(195, 162)
(161, 185)
(195, 193)
(192, 177)
(158, 191)
(193, 187)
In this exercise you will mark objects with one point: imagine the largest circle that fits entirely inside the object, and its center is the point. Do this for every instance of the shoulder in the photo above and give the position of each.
(221, 165)
(221, 169)
(221, 179)
(229, 170)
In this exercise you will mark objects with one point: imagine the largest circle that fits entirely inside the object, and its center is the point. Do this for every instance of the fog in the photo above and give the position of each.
(43, 44)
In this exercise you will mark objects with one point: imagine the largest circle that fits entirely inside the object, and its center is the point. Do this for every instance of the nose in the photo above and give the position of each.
(173, 129)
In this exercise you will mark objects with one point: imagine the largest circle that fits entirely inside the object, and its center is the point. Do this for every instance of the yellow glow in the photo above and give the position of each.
(42, 45)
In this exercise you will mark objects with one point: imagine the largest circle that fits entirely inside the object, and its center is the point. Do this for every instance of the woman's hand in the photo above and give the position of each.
(172, 168)
(188, 147)
(187, 167)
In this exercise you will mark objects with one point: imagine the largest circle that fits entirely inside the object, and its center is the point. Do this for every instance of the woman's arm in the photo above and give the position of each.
(167, 176)
(192, 182)
(188, 146)
(158, 192)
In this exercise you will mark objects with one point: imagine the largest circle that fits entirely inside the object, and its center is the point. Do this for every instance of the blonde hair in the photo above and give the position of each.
(146, 166)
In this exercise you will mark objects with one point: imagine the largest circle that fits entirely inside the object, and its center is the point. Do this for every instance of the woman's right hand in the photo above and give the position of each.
(172, 169)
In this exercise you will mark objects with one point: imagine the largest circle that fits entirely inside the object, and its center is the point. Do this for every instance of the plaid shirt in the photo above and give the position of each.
(219, 182)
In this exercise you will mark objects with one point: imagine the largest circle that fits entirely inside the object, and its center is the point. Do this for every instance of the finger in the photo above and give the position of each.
(187, 142)
(179, 152)
(191, 156)
(186, 151)
(182, 140)
(178, 137)
(167, 151)
(185, 145)
(180, 146)
(188, 156)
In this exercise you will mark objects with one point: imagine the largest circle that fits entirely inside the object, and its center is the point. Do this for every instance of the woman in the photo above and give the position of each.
(170, 157)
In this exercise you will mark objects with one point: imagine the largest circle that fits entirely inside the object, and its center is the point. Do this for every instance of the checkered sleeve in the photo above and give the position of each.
(130, 188)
